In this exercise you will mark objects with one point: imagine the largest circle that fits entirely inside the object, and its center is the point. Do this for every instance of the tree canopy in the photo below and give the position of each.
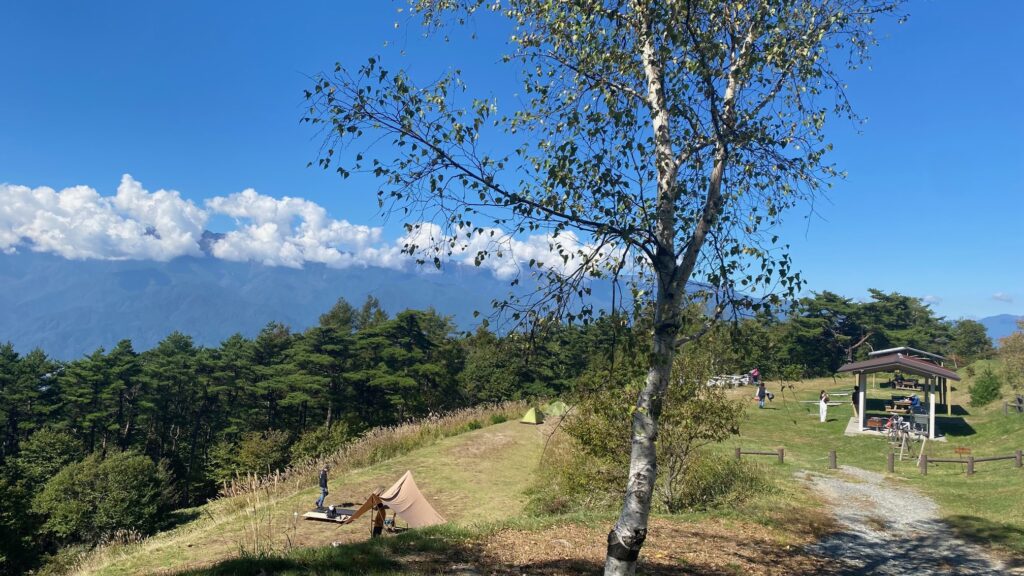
(661, 140)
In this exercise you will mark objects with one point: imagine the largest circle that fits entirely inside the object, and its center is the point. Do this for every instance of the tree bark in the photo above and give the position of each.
(627, 536)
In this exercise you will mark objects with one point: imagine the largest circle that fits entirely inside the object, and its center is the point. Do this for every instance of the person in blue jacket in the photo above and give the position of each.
(323, 487)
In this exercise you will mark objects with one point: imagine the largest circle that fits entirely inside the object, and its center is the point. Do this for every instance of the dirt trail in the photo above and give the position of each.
(888, 529)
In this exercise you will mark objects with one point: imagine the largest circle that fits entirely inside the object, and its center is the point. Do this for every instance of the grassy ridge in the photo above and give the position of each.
(265, 518)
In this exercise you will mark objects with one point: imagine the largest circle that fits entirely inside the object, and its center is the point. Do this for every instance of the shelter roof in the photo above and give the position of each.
(899, 361)
(906, 350)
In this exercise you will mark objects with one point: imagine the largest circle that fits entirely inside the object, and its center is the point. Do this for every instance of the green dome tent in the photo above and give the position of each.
(533, 416)
(556, 408)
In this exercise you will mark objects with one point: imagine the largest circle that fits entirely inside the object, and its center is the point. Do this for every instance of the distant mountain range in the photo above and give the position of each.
(71, 307)
(1000, 326)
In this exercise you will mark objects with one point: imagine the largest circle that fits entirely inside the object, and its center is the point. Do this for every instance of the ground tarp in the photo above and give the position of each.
(533, 416)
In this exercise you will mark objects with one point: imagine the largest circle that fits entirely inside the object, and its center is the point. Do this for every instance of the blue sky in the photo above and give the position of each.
(204, 98)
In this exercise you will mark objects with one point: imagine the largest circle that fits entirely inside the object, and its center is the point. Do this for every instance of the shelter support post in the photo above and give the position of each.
(862, 381)
(931, 415)
(945, 393)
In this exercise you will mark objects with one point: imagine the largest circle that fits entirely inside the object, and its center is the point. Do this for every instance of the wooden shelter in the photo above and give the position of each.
(936, 379)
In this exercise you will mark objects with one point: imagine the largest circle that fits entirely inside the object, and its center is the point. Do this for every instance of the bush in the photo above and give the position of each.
(320, 441)
(44, 453)
(715, 480)
(986, 388)
(498, 418)
(474, 425)
(17, 524)
(262, 452)
(99, 497)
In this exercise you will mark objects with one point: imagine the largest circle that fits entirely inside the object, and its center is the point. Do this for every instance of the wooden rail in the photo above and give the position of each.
(780, 452)
(970, 461)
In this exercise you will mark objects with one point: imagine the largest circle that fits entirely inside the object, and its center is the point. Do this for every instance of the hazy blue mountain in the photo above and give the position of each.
(1000, 326)
(69, 308)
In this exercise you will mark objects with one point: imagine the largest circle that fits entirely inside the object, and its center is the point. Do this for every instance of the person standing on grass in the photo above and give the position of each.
(323, 487)
(761, 395)
(855, 397)
(823, 405)
(377, 522)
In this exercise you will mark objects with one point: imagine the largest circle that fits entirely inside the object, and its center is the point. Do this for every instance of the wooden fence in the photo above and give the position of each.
(970, 461)
(780, 452)
(1017, 406)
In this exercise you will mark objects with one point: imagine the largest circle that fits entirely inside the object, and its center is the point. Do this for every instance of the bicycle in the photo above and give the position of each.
(900, 432)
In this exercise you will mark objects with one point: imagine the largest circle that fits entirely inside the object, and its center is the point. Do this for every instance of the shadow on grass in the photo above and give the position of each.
(953, 426)
(179, 517)
(986, 532)
(447, 550)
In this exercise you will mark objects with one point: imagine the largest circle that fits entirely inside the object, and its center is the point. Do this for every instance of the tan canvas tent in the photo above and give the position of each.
(405, 498)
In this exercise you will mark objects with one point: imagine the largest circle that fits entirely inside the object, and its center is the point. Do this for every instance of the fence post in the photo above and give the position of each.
(782, 455)
(1020, 458)
(923, 464)
(890, 462)
(832, 460)
(970, 465)
(738, 453)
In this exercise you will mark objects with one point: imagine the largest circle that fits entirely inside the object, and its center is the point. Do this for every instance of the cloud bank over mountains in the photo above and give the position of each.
(135, 224)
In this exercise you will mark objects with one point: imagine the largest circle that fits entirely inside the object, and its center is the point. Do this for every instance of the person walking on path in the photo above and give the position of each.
(323, 487)
(823, 405)
(761, 395)
(855, 398)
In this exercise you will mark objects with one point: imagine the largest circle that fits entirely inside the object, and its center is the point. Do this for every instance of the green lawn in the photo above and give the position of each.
(987, 506)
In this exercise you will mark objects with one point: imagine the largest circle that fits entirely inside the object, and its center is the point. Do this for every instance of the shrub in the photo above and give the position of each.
(98, 497)
(498, 418)
(715, 480)
(320, 441)
(17, 524)
(474, 425)
(44, 453)
(262, 452)
(986, 388)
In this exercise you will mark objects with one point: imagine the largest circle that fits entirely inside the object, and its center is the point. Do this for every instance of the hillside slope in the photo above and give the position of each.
(475, 477)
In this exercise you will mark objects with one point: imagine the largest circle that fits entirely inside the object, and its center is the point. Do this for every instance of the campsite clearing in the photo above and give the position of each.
(472, 478)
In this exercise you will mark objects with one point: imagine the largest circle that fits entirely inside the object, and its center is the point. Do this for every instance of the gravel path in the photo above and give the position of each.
(887, 529)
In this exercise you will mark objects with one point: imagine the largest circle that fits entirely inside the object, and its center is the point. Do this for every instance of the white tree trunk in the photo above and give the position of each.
(627, 536)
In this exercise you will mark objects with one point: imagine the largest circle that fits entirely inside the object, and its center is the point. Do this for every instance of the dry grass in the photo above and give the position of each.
(261, 518)
(374, 446)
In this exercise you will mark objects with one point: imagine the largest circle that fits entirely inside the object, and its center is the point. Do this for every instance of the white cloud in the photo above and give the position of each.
(931, 299)
(505, 255)
(1003, 297)
(80, 223)
(291, 232)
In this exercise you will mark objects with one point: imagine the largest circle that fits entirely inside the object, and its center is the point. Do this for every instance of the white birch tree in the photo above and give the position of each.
(661, 140)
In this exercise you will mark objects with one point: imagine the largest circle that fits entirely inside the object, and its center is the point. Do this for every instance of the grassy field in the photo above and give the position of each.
(986, 507)
(480, 480)
(261, 524)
